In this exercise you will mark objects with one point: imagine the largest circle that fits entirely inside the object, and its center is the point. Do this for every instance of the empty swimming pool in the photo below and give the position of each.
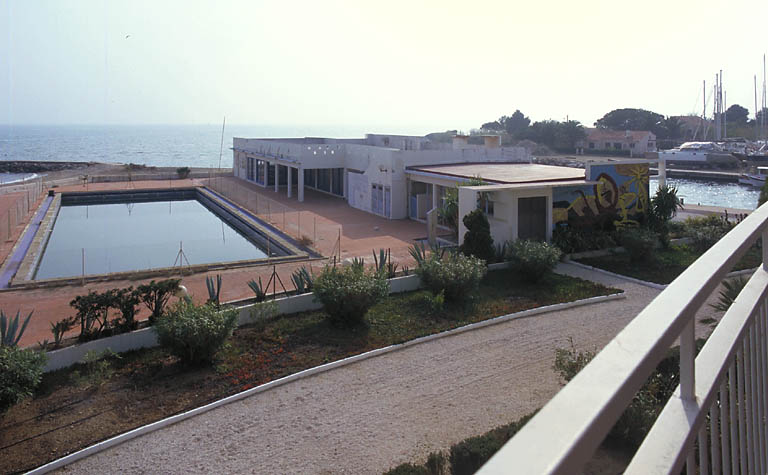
(129, 236)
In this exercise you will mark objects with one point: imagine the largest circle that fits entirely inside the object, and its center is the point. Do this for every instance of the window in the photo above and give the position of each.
(607, 144)
(488, 208)
(632, 145)
(617, 145)
(592, 145)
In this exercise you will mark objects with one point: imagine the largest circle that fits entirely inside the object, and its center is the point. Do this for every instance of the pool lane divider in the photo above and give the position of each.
(22, 246)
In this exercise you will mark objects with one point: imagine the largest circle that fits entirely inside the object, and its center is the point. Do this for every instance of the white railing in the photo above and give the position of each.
(716, 419)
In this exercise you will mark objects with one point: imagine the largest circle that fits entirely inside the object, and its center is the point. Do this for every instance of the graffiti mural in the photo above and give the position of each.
(618, 198)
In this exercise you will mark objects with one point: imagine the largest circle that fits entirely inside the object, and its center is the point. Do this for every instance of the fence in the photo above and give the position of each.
(321, 234)
(16, 201)
(716, 418)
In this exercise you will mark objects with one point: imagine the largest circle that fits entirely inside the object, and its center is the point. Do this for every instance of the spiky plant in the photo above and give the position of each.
(258, 289)
(214, 290)
(10, 333)
(731, 289)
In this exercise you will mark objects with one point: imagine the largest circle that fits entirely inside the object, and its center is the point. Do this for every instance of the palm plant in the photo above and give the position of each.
(731, 290)
(258, 289)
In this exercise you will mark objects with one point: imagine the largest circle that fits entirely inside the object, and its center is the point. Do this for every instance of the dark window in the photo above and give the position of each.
(324, 179)
(532, 218)
(337, 181)
(617, 145)
(591, 144)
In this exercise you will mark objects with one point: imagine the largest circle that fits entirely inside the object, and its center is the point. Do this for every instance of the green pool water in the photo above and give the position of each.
(133, 236)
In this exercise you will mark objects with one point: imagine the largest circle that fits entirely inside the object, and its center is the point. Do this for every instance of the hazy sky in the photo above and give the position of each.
(396, 66)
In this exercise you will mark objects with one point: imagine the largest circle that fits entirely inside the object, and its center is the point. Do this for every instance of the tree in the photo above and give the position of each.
(514, 125)
(672, 128)
(737, 114)
(633, 119)
(477, 240)
(664, 206)
(561, 136)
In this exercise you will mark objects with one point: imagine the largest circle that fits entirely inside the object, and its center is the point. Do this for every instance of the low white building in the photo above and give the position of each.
(400, 177)
(370, 173)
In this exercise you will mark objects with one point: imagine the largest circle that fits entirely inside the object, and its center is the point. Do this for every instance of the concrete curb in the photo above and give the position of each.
(652, 285)
(139, 431)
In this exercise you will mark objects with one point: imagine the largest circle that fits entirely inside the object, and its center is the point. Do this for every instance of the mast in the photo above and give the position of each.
(725, 114)
(757, 134)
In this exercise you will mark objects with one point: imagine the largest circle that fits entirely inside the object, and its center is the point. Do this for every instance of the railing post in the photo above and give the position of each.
(687, 362)
(765, 248)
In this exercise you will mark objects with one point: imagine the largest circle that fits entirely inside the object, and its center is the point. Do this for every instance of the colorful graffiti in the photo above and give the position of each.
(618, 198)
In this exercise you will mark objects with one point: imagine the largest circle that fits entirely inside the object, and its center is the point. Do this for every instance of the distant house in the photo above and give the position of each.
(633, 143)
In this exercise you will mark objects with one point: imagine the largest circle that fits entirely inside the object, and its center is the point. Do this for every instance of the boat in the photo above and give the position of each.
(696, 152)
(756, 178)
(754, 154)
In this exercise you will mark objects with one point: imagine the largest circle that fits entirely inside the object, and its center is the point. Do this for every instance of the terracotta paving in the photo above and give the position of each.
(319, 217)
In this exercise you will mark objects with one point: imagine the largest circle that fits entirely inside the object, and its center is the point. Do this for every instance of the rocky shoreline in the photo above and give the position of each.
(25, 166)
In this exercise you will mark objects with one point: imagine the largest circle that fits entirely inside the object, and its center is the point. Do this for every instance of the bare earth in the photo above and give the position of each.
(373, 415)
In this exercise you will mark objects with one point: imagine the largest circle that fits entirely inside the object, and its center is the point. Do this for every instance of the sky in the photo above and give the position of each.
(394, 66)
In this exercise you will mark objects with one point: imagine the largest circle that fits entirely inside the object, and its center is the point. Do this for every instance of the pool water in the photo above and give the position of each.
(145, 235)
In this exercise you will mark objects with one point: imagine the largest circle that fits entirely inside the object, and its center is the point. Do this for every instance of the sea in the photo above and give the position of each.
(200, 146)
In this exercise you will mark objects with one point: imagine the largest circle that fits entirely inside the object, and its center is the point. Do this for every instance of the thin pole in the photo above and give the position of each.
(757, 134)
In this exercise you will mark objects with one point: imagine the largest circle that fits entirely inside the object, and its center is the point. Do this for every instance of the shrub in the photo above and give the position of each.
(303, 280)
(125, 301)
(183, 172)
(408, 469)
(571, 240)
(469, 455)
(477, 240)
(348, 292)
(533, 259)
(20, 372)
(639, 243)
(92, 314)
(155, 295)
(706, 231)
(455, 275)
(639, 416)
(195, 333)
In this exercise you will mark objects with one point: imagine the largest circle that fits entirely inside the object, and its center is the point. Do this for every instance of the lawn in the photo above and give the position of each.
(667, 264)
(79, 406)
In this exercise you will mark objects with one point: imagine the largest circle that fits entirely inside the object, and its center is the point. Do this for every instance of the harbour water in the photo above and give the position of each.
(712, 193)
(199, 146)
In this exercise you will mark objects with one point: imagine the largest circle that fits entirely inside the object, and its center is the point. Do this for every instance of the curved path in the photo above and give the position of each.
(372, 415)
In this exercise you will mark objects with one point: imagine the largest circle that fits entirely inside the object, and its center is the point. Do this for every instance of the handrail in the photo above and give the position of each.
(566, 432)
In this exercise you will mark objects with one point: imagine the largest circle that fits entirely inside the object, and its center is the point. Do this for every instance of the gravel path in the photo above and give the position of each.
(370, 416)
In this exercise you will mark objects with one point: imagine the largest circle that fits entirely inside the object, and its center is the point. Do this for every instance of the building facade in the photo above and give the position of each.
(634, 143)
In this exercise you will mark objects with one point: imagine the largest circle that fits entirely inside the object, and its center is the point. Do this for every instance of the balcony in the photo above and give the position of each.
(716, 419)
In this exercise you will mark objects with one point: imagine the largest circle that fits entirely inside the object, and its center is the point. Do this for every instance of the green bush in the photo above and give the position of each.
(155, 296)
(20, 372)
(455, 275)
(183, 172)
(477, 240)
(637, 419)
(195, 333)
(469, 455)
(348, 292)
(639, 243)
(533, 259)
(408, 469)
(706, 231)
(571, 240)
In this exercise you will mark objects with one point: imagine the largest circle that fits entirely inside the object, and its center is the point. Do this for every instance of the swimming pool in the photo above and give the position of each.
(105, 233)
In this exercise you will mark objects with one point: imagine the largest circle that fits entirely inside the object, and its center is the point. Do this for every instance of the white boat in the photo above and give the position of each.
(696, 152)
(754, 179)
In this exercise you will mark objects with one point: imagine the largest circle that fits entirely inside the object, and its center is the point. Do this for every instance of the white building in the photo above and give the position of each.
(370, 174)
(399, 177)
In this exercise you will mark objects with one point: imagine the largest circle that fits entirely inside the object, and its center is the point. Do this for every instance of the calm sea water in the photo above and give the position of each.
(107, 235)
(713, 193)
(199, 145)
(159, 145)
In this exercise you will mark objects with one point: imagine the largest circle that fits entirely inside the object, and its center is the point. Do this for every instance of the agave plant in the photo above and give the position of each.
(10, 333)
(214, 290)
(380, 261)
(418, 252)
(258, 289)
(302, 280)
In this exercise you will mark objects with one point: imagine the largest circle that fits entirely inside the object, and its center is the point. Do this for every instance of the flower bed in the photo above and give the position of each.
(78, 406)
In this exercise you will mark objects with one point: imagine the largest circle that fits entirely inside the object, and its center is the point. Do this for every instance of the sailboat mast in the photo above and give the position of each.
(757, 133)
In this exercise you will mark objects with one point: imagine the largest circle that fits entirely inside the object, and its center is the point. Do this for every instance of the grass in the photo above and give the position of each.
(667, 265)
(69, 412)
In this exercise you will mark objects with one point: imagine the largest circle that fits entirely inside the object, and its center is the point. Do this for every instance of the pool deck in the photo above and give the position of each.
(361, 233)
